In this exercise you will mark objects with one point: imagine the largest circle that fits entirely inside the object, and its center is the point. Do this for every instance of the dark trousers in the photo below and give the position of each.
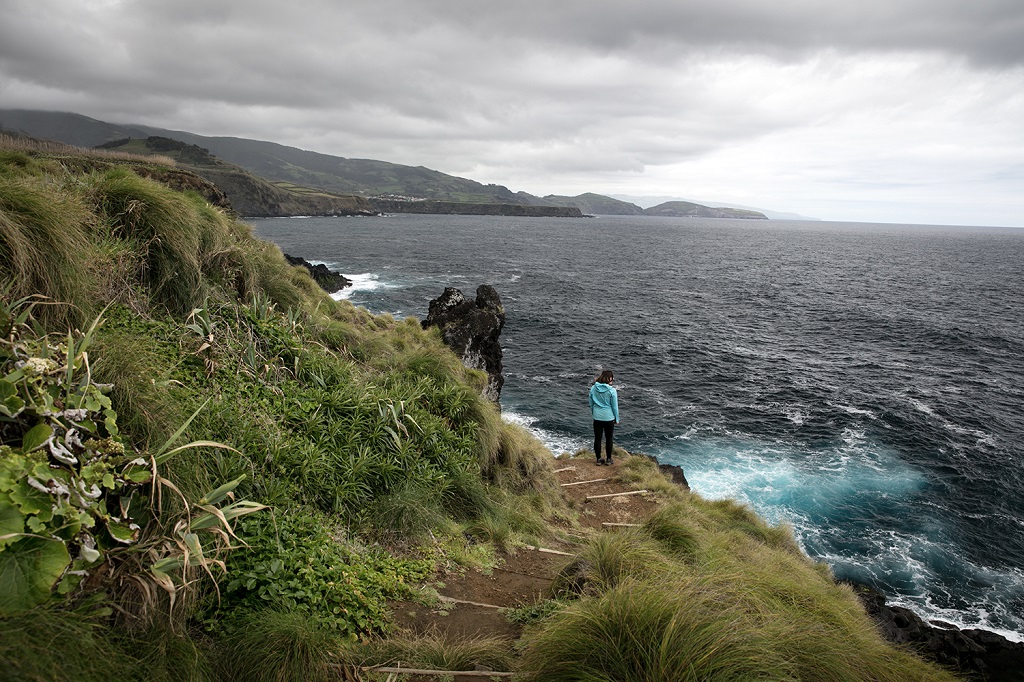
(605, 428)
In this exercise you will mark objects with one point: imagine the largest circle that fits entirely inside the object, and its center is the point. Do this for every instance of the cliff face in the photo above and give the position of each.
(462, 208)
(256, 198)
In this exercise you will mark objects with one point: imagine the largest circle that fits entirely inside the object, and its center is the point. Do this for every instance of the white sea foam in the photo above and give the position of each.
(921, 407)
(557, 443)
(982, 437)
(811, 489)
(367, 281)
(849, 409)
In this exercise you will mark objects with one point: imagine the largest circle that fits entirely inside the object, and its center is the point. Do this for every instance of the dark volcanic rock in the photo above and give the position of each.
(978, 651)
(328, 280)
(675, 473)
(471, 329)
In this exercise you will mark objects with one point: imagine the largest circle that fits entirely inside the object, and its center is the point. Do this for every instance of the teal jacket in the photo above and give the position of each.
(604, 402)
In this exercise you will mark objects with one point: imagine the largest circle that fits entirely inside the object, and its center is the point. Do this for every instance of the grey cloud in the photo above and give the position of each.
(529, 89)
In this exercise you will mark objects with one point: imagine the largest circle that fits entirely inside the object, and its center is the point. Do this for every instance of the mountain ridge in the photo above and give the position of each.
(287, 166)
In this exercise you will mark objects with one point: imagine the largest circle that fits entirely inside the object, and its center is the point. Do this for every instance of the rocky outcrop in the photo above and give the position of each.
(328, 280)
(673, 472)
(977, 651)
(471, 330)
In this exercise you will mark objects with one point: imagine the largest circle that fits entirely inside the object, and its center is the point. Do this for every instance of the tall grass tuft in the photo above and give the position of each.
(44, 248)
(435, 650)
(166, 228)
(145, 404)
(49, 643)
(669, 527)
(167, 656)
(607, 560)
(278, 646)
(410, 511)
(638, 632)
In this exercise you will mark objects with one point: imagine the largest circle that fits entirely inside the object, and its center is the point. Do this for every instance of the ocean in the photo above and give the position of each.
(863, 383)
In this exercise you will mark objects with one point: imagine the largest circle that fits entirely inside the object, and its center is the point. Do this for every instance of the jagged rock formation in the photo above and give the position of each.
(471, 329)
(328, 280)
(978, 651)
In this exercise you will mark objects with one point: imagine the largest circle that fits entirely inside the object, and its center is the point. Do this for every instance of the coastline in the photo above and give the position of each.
(862, 444)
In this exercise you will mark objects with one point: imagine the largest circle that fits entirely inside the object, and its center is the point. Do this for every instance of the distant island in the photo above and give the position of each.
(688, 209)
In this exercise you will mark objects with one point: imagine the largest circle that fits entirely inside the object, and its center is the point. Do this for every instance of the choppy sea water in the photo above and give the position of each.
(863, 383)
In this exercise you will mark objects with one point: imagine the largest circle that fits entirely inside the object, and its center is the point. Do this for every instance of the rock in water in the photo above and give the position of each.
(471, 329)
(992, 656)
(328, 280)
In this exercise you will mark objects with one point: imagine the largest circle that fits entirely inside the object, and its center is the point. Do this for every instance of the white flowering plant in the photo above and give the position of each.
(70, 492)
(67, 486)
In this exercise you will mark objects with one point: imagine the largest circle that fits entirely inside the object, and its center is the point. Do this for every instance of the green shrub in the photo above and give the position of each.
(294, 564)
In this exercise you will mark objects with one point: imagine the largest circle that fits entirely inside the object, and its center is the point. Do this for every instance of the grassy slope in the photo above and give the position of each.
(378, 459)
(249, 195)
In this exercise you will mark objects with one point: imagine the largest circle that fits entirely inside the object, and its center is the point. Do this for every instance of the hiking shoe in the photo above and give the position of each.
(608, 462)
(600, 462)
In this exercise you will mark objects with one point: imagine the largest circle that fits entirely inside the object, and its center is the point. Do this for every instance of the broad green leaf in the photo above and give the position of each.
(31, 501)
(11, 521)
(138, 474)
(7, 389)
(10, 403)
(36, 437)
(28, 570)
(122, 532)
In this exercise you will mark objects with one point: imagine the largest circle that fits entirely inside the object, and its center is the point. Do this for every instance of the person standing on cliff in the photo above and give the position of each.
(604, 405)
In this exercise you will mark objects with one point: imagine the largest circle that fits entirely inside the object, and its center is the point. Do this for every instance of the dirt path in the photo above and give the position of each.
(471, 602)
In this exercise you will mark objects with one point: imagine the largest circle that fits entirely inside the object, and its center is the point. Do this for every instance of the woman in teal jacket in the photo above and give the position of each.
(604, 405)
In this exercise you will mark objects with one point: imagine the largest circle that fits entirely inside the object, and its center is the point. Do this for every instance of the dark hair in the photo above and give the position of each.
(605, 377)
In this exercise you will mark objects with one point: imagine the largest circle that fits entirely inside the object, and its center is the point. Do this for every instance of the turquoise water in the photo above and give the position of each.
(860, 382)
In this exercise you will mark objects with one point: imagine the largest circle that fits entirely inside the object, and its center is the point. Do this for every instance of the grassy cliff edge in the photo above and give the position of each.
(209, 470)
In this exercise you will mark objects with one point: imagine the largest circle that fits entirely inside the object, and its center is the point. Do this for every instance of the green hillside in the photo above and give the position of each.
(279, 163)
(595, 204)
(210, 470)
(250, 195)
(688, 209)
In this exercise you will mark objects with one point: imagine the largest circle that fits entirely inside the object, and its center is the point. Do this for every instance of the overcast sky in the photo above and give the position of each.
(874, 110)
